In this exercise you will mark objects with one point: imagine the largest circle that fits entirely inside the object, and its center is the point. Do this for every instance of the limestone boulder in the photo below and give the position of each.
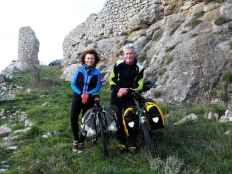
(28, 48)
(183, 47)
(226, 10)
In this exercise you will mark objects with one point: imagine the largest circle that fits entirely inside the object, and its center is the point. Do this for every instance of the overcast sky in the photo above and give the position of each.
(51, 20)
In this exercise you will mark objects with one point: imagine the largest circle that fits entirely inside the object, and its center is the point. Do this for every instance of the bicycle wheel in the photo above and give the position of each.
(88, 126)
(149, 144)
(104, 137)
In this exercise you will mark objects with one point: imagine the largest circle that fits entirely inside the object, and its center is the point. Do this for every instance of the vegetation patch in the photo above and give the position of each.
(162, 71)
(168, 58)
(157, 35)
(195, 20)
(218, 1)
(188, 148)
(157, 94)
(221, 20)
(199, 14)
(194, 23)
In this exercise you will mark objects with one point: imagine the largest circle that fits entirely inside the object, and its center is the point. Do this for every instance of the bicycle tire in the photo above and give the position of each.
(88, 121)
(149, 144)
(103, 134)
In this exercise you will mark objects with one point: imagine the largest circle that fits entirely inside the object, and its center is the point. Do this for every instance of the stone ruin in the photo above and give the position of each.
(28, 48)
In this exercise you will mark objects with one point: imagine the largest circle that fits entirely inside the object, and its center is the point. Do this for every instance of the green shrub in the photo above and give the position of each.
(217, 108)
(195, 20)
(198, 109)
(221, 20)
(195, 23)
(199, 14)
(168, 58)
(228, 77)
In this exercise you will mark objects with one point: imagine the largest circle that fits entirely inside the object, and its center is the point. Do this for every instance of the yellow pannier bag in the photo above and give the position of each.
(130, 121)
(154, 115)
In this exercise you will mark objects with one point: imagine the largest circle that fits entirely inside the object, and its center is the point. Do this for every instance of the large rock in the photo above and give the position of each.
(4, 131)
(227, 117)
(7, 92)
(117, 18)
(189, 118)
(184, 51)
(171, 6)
(28, 48)
(226, 10)
(2, 78)
(10, 70)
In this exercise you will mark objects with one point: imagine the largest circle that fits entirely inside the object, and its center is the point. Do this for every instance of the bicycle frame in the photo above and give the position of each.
(141, 103)
(139, 106)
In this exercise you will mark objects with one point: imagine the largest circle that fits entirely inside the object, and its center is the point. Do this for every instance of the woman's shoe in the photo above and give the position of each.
(77, 147)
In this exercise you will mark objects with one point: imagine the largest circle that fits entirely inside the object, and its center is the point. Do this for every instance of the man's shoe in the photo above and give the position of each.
(77, 147)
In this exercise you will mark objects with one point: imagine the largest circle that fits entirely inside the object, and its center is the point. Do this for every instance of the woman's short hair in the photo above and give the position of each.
(90, 51)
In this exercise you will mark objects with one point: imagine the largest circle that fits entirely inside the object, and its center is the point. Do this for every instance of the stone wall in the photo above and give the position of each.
(117, 18)
(126, 15)
(28, 48)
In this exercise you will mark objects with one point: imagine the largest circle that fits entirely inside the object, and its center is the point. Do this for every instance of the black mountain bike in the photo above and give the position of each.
(147, 122)
(97, 124)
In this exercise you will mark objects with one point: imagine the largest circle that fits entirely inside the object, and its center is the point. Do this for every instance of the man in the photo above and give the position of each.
(127, 75)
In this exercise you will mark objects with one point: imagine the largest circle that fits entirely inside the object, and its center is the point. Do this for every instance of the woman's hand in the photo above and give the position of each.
(84, 98)
(122, 92)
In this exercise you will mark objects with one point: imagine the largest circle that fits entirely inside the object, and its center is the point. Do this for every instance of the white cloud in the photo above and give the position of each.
(50, 19)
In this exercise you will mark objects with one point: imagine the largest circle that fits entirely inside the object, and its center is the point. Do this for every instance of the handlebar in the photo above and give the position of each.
(136, 95)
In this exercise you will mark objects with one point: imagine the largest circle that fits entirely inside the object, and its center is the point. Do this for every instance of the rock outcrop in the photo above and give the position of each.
(28, 48)
(107, 29)
(186, 45)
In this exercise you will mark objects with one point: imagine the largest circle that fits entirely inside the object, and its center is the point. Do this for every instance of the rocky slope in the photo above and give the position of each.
(186, 45)
(35, 137)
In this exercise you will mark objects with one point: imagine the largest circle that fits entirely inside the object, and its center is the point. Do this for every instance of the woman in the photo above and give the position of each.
(85, 84)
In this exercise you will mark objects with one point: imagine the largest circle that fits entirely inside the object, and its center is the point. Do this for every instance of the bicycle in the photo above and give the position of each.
(97, 124)
(146, 121)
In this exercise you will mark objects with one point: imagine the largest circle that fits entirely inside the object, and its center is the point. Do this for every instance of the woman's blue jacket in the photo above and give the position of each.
(87, 80)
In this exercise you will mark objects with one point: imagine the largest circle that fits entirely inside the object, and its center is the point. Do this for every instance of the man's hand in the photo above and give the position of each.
(122, 92)
(84, 98)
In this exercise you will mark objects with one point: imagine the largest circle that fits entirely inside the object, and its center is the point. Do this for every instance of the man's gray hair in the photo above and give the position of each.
(129, 46)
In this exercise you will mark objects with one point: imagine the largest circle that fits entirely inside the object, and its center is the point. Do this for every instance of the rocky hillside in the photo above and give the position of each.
(36, 138)
(186, 45)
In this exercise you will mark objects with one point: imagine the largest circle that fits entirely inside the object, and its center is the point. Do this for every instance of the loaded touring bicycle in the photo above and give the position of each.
(97, 124)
